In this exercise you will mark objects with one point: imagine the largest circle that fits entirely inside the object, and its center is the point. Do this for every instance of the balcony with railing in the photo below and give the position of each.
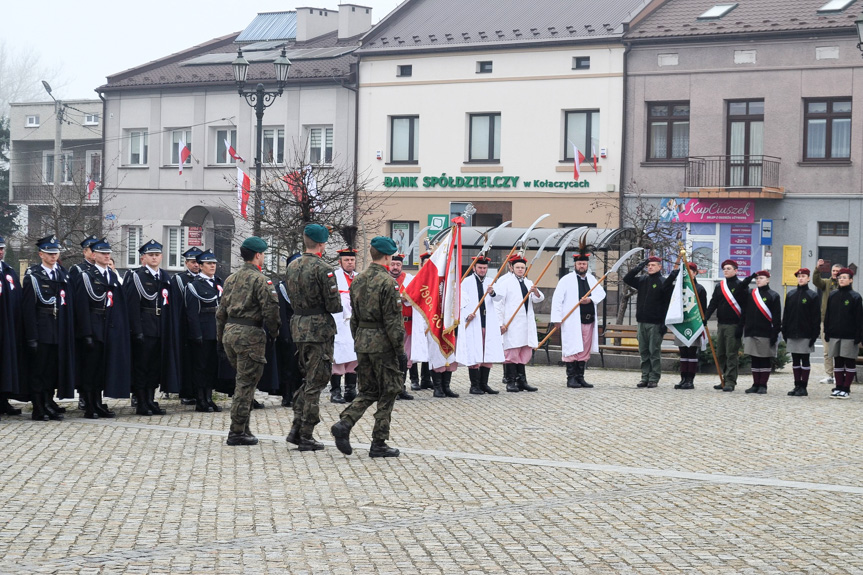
(733, 177)
(30, 194)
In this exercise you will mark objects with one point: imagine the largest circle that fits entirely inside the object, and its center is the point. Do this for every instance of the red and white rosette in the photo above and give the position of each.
(110, 301)
(164, 296)
(11, 282)
(62, 297)
(220, 290)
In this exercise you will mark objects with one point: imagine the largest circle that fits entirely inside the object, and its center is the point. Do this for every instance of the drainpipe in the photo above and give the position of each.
(102, 165)
(623, 171)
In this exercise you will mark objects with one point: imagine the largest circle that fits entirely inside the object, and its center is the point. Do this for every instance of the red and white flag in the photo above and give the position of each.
(578, 158)
(233, 153)
(91, 185)
(184, 152)
(244, 185)
(436, 290)
(593, 151)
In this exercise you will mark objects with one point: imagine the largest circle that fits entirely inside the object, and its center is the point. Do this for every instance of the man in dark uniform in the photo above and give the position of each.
(89, 257)
(248, 305)
(48, 331)
(650, 315)
(290, 378)
(760, 325)
(147, 290)
(102, 333)
(202, 297)
(379, 333)
(801, 326)
(10, 334)
(688, 353)
(843, 332)
(178, 316)
(314, 292)
(726, 303)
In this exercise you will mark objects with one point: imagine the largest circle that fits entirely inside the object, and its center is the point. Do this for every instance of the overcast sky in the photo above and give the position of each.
(92, 39)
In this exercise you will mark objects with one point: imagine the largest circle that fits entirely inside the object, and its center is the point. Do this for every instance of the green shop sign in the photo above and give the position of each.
(481, 182)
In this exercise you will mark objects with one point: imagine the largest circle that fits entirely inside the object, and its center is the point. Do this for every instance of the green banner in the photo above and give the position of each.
(683, 317)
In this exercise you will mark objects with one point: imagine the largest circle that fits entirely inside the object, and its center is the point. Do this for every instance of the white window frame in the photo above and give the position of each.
(276, 140)
(493, 137)
(223, 158)
(32, 121)
(174, 140)
(412, 140)
(48, 166)
(134, 238)
(175, 242)
(144, 152)
(91, 119)
(324, 130)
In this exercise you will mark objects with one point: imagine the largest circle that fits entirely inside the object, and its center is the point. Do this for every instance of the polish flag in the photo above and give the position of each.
(91, 185)
(244, 184)
(593, 151)
(233, 153)
(578, 159)
(184, 153)
(436, 291)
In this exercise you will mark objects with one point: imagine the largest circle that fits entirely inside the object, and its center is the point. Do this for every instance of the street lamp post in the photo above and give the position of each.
(859, 25)
(259, 99)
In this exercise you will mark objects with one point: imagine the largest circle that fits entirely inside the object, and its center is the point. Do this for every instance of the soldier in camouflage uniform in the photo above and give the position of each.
(379, 335)
(248, 305)
(314, 294)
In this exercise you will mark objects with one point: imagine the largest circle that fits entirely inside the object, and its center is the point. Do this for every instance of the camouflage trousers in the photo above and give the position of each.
(316, 364)
(245, 346)
(379, 381)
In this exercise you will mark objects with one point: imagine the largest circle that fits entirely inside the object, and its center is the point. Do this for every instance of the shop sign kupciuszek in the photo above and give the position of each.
(707, 211)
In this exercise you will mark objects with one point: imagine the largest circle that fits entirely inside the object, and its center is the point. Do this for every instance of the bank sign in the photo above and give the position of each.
(478, 182)
(706, 211)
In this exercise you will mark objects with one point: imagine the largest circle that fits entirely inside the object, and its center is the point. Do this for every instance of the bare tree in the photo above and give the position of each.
(21, 73)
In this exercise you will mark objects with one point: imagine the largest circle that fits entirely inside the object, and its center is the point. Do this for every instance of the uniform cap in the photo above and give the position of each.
(398, 257)
(316, 233)
(385, 245)
(151, 247)
(424, 256)
(693, 267)
(654, 259)
(206, 256)
(347, 252)
(482, 260)
(728, 263)
(764, 273)
(2, 242)
(101, 246)
(89, 241)
(192, 253)
(255, 244)
(804, 271)
(848, 271)
(49, 245)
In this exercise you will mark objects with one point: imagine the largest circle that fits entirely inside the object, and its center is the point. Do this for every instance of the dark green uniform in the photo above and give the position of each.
(249, 303)
(379, 334)
(314, 294)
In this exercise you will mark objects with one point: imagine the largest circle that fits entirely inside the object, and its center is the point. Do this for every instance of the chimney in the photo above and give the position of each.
(314, 22)
(354, 20)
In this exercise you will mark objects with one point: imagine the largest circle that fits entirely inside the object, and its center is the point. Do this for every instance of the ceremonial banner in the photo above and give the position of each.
(244, 185)
(683, 317)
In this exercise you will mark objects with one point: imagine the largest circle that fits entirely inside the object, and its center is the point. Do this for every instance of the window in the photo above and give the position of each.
(133, 242)
(717, 11)
(405, 71)
(745, 139)
(273, 146)
(32, 121)
(176, 246)
(484, 138)
(484, 67)
(582, 129)
(827, 130)
(224, 139)
(835, 6)
(581, 63)
(138, 148)
(91, 120)
(668, 130)
(457, 209)
(65, 167)
(404, 139)
(321, 145)
(93, 166)
(833, 229)
(403, 234)
(178, 136)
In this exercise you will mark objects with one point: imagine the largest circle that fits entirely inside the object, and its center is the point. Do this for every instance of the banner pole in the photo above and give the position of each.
(703, 321)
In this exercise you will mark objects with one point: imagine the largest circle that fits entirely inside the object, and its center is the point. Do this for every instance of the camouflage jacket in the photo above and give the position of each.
(249, 295)
(311, 286)
(376, 323)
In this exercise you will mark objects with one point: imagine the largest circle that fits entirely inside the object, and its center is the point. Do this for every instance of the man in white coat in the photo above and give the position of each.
(419, 349)
(519, 339)
(344, 356)
(403, 279)
(579, 334)
(479, 343)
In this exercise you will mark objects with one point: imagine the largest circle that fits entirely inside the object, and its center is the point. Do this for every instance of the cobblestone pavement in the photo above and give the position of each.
(607, 480)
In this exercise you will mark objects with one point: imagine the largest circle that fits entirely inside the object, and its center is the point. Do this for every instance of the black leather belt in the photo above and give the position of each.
(152, 310)
(245, 321)
(310, 311)
(370, 325)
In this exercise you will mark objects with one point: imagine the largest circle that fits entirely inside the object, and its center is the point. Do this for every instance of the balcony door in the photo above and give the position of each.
(745, 139)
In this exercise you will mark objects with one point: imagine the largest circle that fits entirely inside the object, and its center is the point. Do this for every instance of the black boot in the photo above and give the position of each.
(350, 387)
(793, 392)
(142, 406)
(570, 375)
(201, 403)
(437, 384)
(52, 405)
(152, 404)
(801, 391)
(415, 377)
(509, 377)
(241, 439)
(209, 396)
(287, 400)
(580, 366)
(679, 385)
(48, 404)
(403, 394)
(521, 379)
(342, 433)
(483, 381)
(7, 409)
(425, 376)
(294, 433)
(688, 383)
(473, 374)
(309, 444)
(445, 381)
(379, 448)
(336, 389)
(89, 405)
(39, 413)
(101, 408)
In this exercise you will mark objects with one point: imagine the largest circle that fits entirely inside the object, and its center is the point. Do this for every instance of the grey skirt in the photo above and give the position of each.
(759, 347)
(842, 348)
(798, 345)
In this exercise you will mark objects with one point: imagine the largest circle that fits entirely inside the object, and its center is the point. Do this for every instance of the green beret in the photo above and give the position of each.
(384, 245)
(255, 244)
(317, 233)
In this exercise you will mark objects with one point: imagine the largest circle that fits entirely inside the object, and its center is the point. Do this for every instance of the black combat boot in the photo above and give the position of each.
(342, 433)
(570, 375)
(437, 384)
(425, 376)
(801, 391)
(445, 381)
(309, 444)
(152, 405)
(415, 377)
(682, 382)
(257, 404)
(208, 395)
(475, 389)
(483, 381)
(141, 405)
(99, 407)
(336, 389)
(287, 401)
(379, 448)
(793, 392)
(509, 375)
(580, 366)
(51, 404)
(201, 403)
(48, 404)
(7, 409)
(241, 439)
(89, 405)
(521, 379)
(350, 387)
(39, 413)
(294, 433)
(688, 384)
(403, 394)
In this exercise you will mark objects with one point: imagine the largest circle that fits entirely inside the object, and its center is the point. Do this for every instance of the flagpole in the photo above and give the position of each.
(499, 271)
(703, 321)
